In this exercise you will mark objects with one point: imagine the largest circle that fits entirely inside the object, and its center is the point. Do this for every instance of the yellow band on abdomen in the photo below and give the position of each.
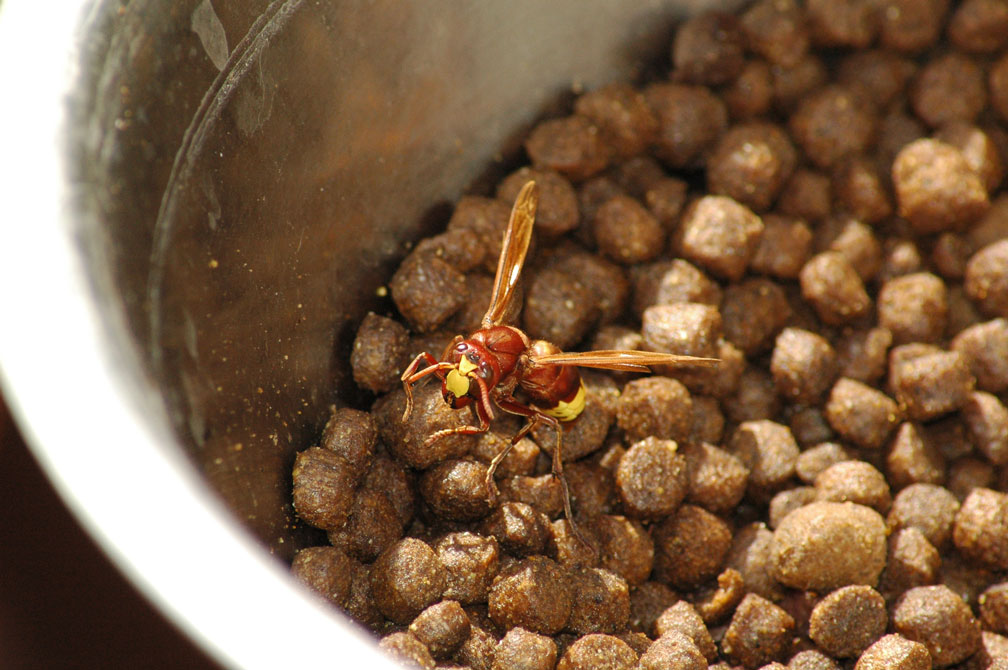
(568, 411)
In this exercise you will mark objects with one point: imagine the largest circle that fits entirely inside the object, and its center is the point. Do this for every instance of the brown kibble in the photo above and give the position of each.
(587, 434)
(520, 460)
(405, 579)
(477, 219)
(372, 526)
(913, 458)
(456, 490)
(784, 246)
(391, 479)
(860, 190)
(895, 652)
(936, 188)
(668, 282)
(720, 235)
(325, 570)
(863, 354)
(980, 532)
(406, 440)
(986, 420)
(686, 328)
(360, 604)
(913, 307)
(557, 209)
(673, 650)
(442, 628)
(655, 407)
(825, 545)
(752, 555)
(523, 650)
(478, 651)
(806, 196)
(622, 116)
(985, 347)
(542, 492)
(519, 528)
(709, 48)
(855, 240)
(994, 608)
(717, 479)
(911, 561)
(883, 74)
(408, 650)
(534, 593)
(665, 199)
(750, 163)
(759, 633)
(752, 313)
(690, 119)
(818, 458)
(625, 548)
(978, 149)
(809, 426)
(627, 232)
(979, 26)
(715, 604)
(832, 123)
(777, 31)
(854, 481)
(834, 288)
(323, 488)
(931, 384)
(810, 659)
(470, 562)
(769, 451)
(682, 618)
(601, 602)
(949, 255)
(950, 87)
(379, 353)
(559, 308)
(572, 146)
(427, 291)
(861, 414)
(968, 473)
(792, 85)
(598, 652)
(352, 434)
(848, 620)
(803, 365)
(690, 547)
(751, 94)
(647, 602)
(607, 282)
(651, 478)
(986, 279)
(910, 26)
(939, 619)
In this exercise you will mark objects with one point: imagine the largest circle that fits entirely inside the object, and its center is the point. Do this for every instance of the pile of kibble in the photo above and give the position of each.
(814, 197)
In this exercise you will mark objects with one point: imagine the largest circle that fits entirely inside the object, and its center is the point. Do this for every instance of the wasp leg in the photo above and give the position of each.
(410, 376)
(484, 426)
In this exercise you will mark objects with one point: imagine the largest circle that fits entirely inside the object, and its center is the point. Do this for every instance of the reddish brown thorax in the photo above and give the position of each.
(490, 354)
(555, 389)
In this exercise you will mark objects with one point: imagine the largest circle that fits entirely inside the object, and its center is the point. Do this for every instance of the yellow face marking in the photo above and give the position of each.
(457, 384)
(568, 411)
(466, 366)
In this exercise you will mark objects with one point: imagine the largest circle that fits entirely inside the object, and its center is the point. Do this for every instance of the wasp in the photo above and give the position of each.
(499, 365)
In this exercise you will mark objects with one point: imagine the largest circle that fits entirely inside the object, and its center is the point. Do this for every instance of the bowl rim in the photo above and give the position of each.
(157, 518)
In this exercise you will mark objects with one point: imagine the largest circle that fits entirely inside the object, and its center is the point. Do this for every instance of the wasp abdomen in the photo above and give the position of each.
(555, 390)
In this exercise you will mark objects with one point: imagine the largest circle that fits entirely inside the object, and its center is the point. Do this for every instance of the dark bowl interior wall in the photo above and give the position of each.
(251, 171)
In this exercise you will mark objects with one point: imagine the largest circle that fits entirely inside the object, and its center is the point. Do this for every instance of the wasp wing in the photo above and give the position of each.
(516, 243)
(622, 360)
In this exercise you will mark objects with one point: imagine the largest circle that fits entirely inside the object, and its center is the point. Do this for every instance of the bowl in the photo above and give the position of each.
(201, 200)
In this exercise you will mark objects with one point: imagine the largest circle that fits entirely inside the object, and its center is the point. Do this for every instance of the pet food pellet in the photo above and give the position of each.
(478, 651)
(979, 26)
(855, 240)
(442, 628)
(673, 650)
(986, 420)
(911, 561)
(690, 119)
(542, 492)
(719, 235)
(752, 555)
(372, 526)
(686, 328)
(647, 601)
(759, 632)
(483, 220)
(591, 487)
(994, 608)
(901, 256)
(980, 532)
(326, 570)
(405, 579)
(668, 282)
(825, 545)
(811, 659)
(557, 210)
(751, 94)
(323, 488)
(784, 247)
(690, 547)
(861, 414)
(750, 163)
(470, 563)
(939, 619)
(683, 618)
(715, 604)
(352, 434)
(626, 548)
(752, 313)
(427, 290)
(708, 420)
(948, 88)
(986, 279)
(652, 478)
(833, 287)
(379, 353)
(598, 652)
(936, 189)
(833, 122)
(895, 652)
(626, 232)
(607, 282)
(803, 365)
(818, 458)
(985, 347)
(949, 255)
(806, 196)
(533, 593)
(913, 458)
(658, 407)
(913, 307)
(519, 529)
(456, 490)
(756, 398)
(622, 116)
(709, 48)
(408, 650)
(809, 426)
(601, 602)
(717, 479)
(777, 31)
(854, 481)
(572, 146)
(786, 501)
(979, 150)
(406, 439)
(861, 191)
(848, 621)
(929, 508)
(520, 460)
(930, 385)
(665, 199)
(969, 473)
(588, 433)
(391, 479)
(559, 308)
(520, 649)
(863, 354)
(791, 85)
(769, 451)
